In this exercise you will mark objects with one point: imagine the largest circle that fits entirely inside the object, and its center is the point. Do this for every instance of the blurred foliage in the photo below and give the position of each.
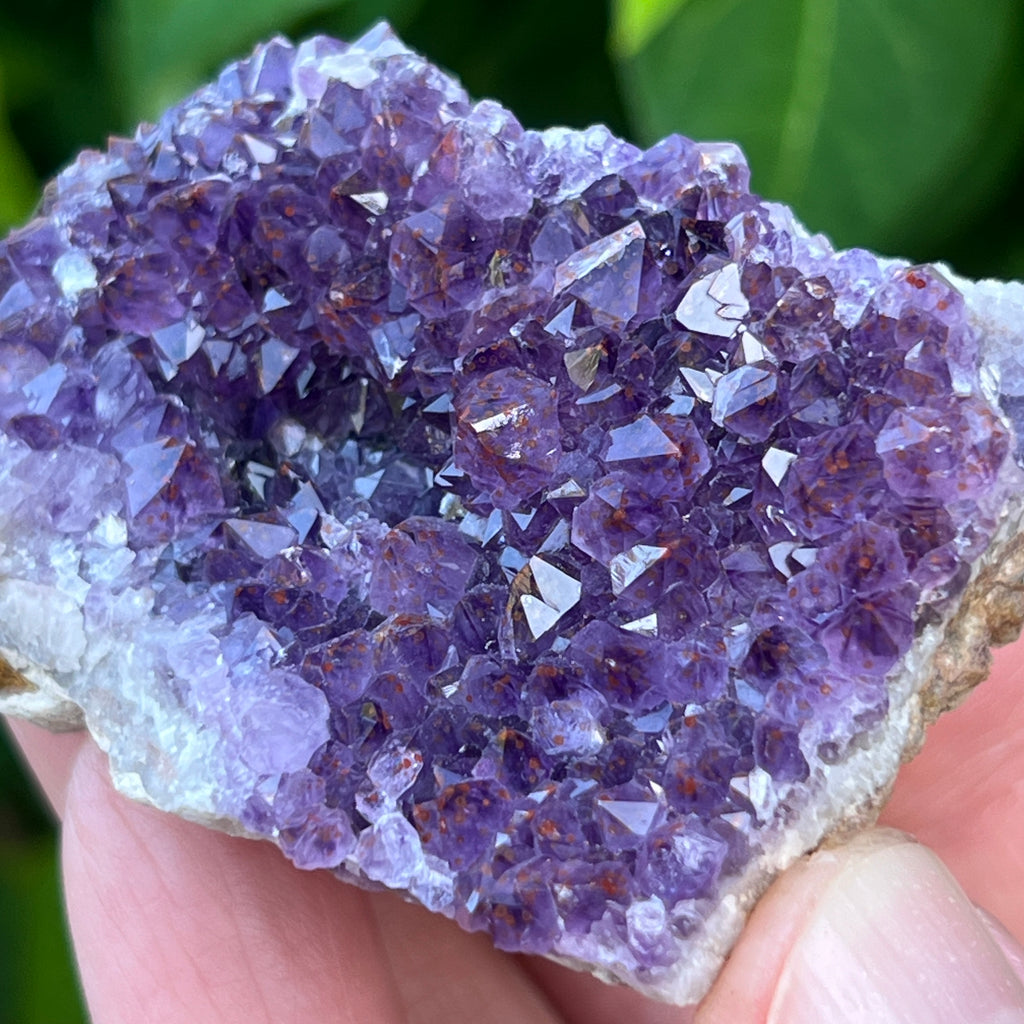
(897, 126)
(157, 50)
(37, 981)
(19, 184)
(635, 23)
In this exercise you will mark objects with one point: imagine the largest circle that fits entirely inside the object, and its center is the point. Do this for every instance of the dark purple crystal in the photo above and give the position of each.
(537, 513)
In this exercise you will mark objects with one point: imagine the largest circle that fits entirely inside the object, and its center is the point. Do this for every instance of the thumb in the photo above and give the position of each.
(876, 931)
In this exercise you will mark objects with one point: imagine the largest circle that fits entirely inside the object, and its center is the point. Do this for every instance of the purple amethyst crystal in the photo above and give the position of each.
(546, 528)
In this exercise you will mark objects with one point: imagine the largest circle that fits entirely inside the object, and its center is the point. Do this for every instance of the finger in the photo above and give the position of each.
(584, 999)
(445, 975)
(176, 923)
(874, 931)
(963, 795)
(50, 756)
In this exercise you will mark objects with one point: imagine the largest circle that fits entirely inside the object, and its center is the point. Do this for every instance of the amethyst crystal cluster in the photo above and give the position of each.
(522, 520)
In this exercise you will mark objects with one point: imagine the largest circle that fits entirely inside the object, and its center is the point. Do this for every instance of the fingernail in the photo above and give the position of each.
(1011, 948)
(894, 939)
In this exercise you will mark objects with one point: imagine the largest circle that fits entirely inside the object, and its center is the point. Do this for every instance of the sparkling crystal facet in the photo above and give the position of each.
(518, 519)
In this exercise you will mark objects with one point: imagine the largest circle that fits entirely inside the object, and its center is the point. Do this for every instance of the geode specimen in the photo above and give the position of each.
(549, 529)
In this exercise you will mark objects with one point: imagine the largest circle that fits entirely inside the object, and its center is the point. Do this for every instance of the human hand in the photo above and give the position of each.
(173, 923)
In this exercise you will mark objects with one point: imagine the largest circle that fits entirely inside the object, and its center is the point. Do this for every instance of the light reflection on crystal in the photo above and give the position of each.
(627, 567)
(642, 439)
(715, 304)
(776, 463)
(557, 588)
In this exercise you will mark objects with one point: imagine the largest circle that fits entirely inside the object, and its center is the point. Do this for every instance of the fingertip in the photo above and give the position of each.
(876, 930)
(744, 991)
(961, 796)
(49, 756)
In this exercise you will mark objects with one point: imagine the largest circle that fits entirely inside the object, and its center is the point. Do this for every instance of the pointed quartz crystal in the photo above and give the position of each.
(548, 529)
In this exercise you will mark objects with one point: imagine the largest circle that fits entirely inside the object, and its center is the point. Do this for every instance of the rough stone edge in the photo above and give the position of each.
(29, 691)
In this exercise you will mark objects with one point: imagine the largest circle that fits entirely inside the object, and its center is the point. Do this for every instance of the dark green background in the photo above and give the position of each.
(897, 125)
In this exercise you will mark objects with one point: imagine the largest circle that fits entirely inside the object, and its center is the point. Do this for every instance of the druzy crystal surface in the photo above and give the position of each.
(549, 529)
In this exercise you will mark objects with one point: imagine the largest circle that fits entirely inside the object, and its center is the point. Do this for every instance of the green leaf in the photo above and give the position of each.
(37, 981)
(877, 121)
(1015, 262)
(547, 62)
(18, 188)
(352, 18)
(635, 22)
(18, 191)
(54, 87)
(164, 48)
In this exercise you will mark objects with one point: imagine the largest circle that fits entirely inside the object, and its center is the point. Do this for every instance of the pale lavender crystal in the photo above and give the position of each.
(525, 521)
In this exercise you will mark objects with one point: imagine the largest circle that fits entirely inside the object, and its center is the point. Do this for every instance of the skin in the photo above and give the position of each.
(174, 923)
